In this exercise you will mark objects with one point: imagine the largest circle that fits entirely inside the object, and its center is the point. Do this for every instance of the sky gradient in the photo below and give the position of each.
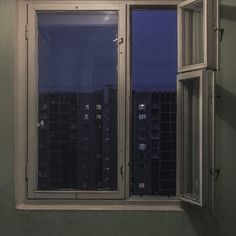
(77, 52)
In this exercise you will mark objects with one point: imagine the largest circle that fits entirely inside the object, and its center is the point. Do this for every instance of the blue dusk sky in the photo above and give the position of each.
(77, 52)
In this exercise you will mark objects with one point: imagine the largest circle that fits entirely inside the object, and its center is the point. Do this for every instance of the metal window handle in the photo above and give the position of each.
(41, 123)
(119, 40)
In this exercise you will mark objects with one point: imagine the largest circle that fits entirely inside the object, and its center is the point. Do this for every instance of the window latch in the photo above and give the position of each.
(41, 123)
(119, 40)
(221, 31)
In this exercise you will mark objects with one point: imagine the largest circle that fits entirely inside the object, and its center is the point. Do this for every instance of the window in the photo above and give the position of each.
(197, 53)
(99, 107)
(197, 34)
(98, 100)
(142, 116)
(79, 73)
(195, 135)
(154, 68)
(142, 107)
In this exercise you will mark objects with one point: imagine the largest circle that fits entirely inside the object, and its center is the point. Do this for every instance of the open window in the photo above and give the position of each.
(195, 121)
(197, 60)
(97, 94)
(197, 35)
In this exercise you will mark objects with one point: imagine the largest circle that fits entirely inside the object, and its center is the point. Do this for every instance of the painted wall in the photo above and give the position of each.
(194, 221)
(226, 123)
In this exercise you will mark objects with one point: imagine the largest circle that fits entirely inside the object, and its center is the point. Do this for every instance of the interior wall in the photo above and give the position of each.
(226, 123)
(193, 221)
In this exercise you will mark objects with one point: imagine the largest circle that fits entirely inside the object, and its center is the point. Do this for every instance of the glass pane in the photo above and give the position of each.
(77, 110)
(193, 48)
(191, 168)
(154, 68)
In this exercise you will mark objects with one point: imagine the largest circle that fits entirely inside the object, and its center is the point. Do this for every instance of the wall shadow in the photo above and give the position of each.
(203, 220)
(228, 12)
(226, 112)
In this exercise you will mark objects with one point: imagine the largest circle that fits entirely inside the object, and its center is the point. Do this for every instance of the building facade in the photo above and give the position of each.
(77, 144)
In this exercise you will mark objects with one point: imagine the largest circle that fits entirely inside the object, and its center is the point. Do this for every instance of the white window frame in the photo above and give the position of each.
(210, 36)
(205, 140)
(63, 200)
(205, 73)
(28, 109)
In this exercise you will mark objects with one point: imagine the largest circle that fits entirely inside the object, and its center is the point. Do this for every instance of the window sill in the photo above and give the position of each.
(102, 205)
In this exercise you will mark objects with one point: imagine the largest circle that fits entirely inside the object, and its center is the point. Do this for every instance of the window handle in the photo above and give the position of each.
(41, 123)
(119, 40)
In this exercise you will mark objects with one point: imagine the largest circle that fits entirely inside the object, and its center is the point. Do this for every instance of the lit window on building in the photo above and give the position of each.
(142, 146)
(141, 185)
(86, 117)
(142, 107)
(142, 116)
(98, 116)
(87, 107)
(98, 107)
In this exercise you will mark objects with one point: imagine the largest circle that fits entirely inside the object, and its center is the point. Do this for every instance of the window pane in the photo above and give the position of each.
(191, 169)
(77, 111)
(193, 34)
(154, 68)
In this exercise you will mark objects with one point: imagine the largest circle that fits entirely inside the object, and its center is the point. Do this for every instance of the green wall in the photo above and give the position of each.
(194, 221)
(226, 123)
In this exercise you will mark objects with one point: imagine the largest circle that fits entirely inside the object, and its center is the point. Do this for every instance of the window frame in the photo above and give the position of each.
(50, 201)
(130, 6)
(31, 108)
(210, 36)
(206, 136)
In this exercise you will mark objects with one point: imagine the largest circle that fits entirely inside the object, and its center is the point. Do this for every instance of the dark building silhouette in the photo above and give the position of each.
(154, 143)
(77, 141)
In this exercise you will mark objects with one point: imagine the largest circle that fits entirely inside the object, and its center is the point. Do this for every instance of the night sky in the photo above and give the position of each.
(78, 52)
(154, 49)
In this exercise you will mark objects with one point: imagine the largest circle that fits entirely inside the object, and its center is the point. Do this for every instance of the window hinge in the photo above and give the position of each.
(26, 32)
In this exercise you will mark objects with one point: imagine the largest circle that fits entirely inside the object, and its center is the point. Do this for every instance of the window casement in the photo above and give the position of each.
(47, 174)
(195, 122)
(197, 35)
(49, 25)
(197, 61)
